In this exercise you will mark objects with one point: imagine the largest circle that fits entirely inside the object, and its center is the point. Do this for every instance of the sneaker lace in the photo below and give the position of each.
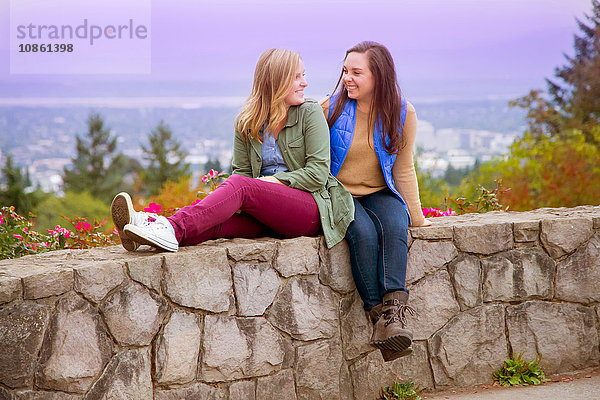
(398, 314)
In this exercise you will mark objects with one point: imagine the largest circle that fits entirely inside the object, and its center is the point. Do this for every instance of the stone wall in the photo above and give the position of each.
(281, 319)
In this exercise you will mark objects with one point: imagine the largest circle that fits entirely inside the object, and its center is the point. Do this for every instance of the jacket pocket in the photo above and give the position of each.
(338, 196)
(297, 142)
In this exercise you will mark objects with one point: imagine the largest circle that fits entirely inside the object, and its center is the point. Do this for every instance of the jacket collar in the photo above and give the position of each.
(292, 118)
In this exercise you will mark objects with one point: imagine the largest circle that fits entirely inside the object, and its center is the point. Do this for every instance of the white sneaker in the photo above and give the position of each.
(155, 231)
(122, 213)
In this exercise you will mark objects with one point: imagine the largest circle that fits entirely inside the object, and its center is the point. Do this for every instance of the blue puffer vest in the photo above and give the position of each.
(342, 133)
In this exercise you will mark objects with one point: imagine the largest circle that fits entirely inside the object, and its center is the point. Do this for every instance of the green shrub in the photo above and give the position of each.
(400, 391)
(517, 371)
(81, 204)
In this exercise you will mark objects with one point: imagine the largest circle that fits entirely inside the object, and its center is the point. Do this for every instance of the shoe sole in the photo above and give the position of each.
(395, 343)
(390, 355)
(142, 237)
(121, 210)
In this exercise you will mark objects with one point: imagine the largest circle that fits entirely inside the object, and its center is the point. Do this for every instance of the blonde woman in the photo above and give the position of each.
(280, 182)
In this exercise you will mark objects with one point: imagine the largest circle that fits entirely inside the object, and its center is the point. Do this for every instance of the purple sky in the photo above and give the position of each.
(441, 47)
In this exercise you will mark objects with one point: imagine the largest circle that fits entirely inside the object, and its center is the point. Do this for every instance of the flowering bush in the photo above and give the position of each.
(486, 200)
(212, 180)
(18, 238)
(436, 212)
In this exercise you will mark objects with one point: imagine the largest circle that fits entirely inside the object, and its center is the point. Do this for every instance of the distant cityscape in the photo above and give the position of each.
(40, 134)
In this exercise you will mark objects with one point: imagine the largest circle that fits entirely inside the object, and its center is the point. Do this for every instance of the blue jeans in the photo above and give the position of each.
(378, 246)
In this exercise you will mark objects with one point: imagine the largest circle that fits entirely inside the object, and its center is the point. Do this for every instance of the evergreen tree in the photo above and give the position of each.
(212, 164)
(15, 191)
(573, 100)
(166, 157)
(97, 169)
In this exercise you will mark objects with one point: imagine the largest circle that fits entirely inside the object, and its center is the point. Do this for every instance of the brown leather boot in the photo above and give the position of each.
(388, 355)
(390, 333)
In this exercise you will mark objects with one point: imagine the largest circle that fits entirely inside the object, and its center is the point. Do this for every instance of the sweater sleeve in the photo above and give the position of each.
(403, 171)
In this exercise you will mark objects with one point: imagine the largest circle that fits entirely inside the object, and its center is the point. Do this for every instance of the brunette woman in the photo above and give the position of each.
(372, 132)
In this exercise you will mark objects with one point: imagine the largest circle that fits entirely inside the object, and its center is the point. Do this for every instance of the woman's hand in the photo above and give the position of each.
(271, 179)
(426, 222)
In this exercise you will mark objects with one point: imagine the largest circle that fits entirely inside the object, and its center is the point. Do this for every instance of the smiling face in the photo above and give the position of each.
(357, 77)
(296, 95)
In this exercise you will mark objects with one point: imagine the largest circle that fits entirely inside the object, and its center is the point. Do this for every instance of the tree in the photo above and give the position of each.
(16, 187)
(573, 100)
(167, 159)
(98, 169)
(212, 164)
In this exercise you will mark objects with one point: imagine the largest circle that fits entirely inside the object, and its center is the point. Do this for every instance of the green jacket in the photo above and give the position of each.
(304, 145)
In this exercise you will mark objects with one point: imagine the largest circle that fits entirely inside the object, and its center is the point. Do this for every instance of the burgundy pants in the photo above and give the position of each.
(267, 209)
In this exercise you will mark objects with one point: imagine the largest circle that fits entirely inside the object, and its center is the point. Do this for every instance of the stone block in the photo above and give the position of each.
(335, 270)
(22, 328)
(236, 348)
(469, 348)
(177, 348)
(484, 238)
(95, 280)
(277, 386)
(565, 334)
(199, 279)
(43, 395)
(251, 250)
(356, 328)
(198, 391)
(465, 273)
(518, 275)
(10, 289)
(526, 231)
(578, 276)
(432, 232)
(298, 256)
(76, 347)
(305, 309)
(127, 376)
(319, 370)
(434, 302)
(562, 236)
(147, 270)
(134, 314)
(255, 287)
(242, 390)
(371, 373)
(53, 282)
(426, 257)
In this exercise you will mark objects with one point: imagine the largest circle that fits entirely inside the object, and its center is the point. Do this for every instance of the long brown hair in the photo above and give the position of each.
(273, 78)
(385, 107)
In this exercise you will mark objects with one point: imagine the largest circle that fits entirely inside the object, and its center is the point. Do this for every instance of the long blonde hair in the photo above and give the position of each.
(273, 78)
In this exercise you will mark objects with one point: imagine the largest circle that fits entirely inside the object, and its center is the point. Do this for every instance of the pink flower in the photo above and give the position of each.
(205, 179)
(196, 202)
(60, 230)
(82, 226)
(18, 236)
(1, 219)
(213, 174)
(153, 208)
(25, 230)
(115, 232)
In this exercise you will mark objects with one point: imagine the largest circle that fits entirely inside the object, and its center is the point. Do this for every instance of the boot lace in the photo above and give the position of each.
(398, 314)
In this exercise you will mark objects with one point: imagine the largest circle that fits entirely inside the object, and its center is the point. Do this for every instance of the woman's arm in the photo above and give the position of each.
(313, 175)
(240, 162)
(405, 176)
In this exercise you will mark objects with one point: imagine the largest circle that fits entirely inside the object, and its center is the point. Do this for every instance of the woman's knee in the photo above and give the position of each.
(362, 231)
